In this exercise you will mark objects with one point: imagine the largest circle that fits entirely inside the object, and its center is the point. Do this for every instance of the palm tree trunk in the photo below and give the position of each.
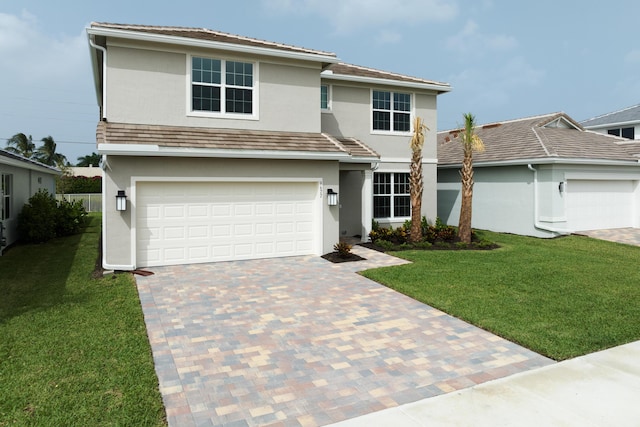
(464, 225)
(415, 188)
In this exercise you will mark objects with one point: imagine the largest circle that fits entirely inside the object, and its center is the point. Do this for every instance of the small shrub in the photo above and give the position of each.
(343, 249)
(38, 218)
(42, 218)
(461, 245)
(422, 245)
(71, 218)
(384, 244)
(485, 244)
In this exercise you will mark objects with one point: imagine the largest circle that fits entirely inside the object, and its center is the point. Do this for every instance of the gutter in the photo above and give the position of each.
(105, 264)
(440, 88)
(537, 224)
(162, 151)
(104, 75)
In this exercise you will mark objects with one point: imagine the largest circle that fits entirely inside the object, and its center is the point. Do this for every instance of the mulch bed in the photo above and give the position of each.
(335, 257)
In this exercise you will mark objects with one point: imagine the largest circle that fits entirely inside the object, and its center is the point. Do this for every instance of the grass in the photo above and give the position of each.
(562, 298)
(73, 350)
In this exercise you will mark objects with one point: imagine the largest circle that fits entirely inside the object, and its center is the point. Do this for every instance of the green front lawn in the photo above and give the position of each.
(562, 298)
(73, 350)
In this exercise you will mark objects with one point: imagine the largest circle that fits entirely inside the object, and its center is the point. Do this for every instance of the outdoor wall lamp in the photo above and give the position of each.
(561, 187)
(332, 197)
(121, 201)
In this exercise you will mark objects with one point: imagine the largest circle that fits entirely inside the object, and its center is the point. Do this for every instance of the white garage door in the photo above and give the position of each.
(187, 222)
(596, 204)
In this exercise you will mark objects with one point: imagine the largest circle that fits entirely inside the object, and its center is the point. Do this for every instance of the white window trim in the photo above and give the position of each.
(5, 196)
(391, 132)
(373, 196)
(329, 97)
(223, 115)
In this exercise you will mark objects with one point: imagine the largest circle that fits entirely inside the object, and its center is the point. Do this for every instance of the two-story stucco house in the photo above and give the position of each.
(231, 148)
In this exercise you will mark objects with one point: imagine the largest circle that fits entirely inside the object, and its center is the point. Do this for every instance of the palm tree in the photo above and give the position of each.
(46, 153)
(21, 144)
(415, 179)
(92, 159)
(470, 142)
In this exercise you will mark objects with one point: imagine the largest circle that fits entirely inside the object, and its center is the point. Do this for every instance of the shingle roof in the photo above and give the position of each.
(629, 114)
(359, 71)
(208, 35)
(537, 138)
(229, 139)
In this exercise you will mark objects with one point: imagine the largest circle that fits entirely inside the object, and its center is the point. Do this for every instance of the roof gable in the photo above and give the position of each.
(543, 138)
(626, 115)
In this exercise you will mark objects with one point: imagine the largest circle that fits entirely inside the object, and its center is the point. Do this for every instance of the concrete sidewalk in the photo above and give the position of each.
(599, 389)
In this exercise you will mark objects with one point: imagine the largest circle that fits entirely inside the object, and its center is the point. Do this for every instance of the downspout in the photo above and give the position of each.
(537, 224)
(104, 75)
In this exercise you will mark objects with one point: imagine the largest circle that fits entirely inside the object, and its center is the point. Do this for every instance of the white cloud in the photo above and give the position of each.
(471, 41)
(487, 88)
(347, 16)
(29, 54)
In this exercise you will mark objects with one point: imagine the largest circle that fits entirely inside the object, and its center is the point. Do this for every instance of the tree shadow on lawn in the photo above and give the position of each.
(35, 276)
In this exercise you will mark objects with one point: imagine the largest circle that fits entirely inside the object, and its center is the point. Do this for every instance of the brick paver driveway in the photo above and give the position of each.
(301, 341)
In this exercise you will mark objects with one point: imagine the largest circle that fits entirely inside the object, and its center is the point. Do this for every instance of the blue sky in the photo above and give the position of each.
(504, 59)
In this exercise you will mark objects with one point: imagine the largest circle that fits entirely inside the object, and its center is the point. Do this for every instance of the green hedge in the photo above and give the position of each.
(78, 184)
(44, 218)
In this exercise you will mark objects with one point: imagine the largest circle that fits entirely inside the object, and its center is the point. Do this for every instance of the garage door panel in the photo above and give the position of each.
(600, 204)
(205, 222)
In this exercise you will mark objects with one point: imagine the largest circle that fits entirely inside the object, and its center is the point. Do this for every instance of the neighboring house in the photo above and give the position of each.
(543, 176)
(624, 123)
(230, 148)
(20, 179)
(86, 171)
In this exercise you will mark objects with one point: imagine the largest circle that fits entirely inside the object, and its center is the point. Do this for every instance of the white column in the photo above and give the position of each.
(367, 204)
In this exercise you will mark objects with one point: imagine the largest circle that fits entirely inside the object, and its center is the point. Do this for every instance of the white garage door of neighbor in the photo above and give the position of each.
(195, 222)
(599, 204)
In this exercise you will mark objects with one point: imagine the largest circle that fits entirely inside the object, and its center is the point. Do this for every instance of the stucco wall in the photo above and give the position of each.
(150, 86)
(350, 116)
(121, 169)
(503, 199)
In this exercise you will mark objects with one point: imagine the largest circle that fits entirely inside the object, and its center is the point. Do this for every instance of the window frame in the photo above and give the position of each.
(223, 114)
(7, 197)
(392, 195)
(328, 107)
(619, 131)
(392, 112)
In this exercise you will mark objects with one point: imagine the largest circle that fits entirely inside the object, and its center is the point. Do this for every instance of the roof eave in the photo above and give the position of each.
(608, 125)
(545, 161)
(162, 151)
(440, 88)
(184, 41)
(25, 164)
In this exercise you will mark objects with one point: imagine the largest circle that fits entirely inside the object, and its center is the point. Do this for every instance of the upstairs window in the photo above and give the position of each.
(325, 103)
(6, 196)
(220, 86)
(391, 196)
(391, 111)
(628, 133)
